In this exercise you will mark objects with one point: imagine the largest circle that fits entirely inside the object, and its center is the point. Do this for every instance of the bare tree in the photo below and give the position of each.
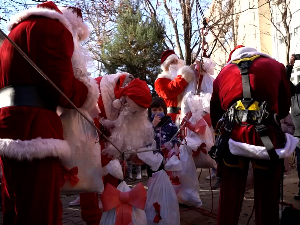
(281, 17)
(223, 25)
(101, 17)
(185, 21)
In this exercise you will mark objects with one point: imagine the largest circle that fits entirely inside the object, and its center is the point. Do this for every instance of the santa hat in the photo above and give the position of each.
(166, 58)
(230, 54)
(241, 51)
(137, 90)
(70, 17)
(49, 5)
(74, 16)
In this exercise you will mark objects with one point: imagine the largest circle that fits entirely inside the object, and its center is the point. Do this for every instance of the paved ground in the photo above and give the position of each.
(193, 217)
(190, 216)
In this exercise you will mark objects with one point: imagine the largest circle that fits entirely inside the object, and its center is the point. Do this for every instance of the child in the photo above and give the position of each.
(164, 126)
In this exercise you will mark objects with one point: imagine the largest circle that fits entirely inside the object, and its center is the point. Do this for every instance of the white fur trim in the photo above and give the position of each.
(246, 52)
(79, 28)
(167, 62)
(164, 74)
(93, 93)
(115, 169)
(187, 73)
(107, 87)
(151, 159)
(36, 148)
(49, 13)
(260, 152)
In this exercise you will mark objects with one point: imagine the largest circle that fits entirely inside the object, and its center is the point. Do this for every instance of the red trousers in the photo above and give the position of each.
(89, 202)
(266, 193)
(31, 191)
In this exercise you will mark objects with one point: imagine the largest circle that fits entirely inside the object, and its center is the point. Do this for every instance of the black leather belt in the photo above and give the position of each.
(24, 95)
(175, 110)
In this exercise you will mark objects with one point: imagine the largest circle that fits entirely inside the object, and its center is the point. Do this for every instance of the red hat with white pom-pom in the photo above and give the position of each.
(166, 58)
(137, 90)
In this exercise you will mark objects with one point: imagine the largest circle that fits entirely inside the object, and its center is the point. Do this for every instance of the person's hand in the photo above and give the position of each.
(193, 66)
(156, 120)
(292, 60)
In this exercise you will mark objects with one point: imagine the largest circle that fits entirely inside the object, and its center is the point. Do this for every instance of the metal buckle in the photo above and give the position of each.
(261, 128)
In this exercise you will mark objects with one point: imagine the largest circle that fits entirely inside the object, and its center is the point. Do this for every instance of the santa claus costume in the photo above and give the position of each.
(112, 88)
(268, 83)
(31, 135)
(171, 83)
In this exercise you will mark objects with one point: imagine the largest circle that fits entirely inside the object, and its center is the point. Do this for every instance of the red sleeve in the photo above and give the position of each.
(216, 111)
(284, 95)
(169, 89)
(51, 47)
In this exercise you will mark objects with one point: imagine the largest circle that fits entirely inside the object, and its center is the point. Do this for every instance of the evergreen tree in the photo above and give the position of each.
(136, 45)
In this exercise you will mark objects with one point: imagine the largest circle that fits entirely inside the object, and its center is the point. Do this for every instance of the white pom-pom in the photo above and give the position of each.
(117, 103)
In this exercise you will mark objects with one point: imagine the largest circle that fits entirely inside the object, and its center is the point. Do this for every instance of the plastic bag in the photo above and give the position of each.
(204, 161)
(189, 189)
(173, 164)
(85, 152)
(138, 216)
(162, 192)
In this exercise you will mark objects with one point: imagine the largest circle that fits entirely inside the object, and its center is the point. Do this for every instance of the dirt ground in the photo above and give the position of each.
(193, 217)
(190, 216)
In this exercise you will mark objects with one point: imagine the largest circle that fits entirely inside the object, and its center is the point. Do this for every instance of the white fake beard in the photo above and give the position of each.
(173, 68)
(132, 131)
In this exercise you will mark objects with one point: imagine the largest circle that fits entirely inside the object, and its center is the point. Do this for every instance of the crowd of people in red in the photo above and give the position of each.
(247, 106)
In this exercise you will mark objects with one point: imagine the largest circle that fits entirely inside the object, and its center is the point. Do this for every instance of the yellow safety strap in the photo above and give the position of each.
(252, 58)
(254, 106)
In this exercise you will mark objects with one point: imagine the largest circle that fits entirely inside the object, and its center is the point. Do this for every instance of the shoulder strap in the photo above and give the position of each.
(244, 66)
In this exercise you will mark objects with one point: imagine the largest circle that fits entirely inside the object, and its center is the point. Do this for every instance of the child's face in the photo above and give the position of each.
(157, 110)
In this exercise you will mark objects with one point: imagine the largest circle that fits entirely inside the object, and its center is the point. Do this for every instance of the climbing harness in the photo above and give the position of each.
(245, 112)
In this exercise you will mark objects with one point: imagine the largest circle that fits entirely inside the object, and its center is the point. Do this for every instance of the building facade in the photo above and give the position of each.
(258, 24)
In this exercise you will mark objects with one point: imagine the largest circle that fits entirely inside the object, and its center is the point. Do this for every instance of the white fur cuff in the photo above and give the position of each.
(187, 73)
(115, 169)
(35, 148)
(260, 152)
(93, 94)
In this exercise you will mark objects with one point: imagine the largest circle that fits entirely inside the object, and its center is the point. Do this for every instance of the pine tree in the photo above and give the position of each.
(136, 45)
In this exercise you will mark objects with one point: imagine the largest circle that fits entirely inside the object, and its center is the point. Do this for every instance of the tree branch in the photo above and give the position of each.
(175, 29)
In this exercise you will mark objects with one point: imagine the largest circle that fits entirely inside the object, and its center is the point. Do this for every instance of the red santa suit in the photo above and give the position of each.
(31, 135)
(268, 83)
(170, 87)
(90, 211)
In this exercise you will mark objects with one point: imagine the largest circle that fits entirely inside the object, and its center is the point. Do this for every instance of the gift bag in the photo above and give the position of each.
(203, 160)
(123, 206)
(188, 193)
(162, 204)
(83, 170)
